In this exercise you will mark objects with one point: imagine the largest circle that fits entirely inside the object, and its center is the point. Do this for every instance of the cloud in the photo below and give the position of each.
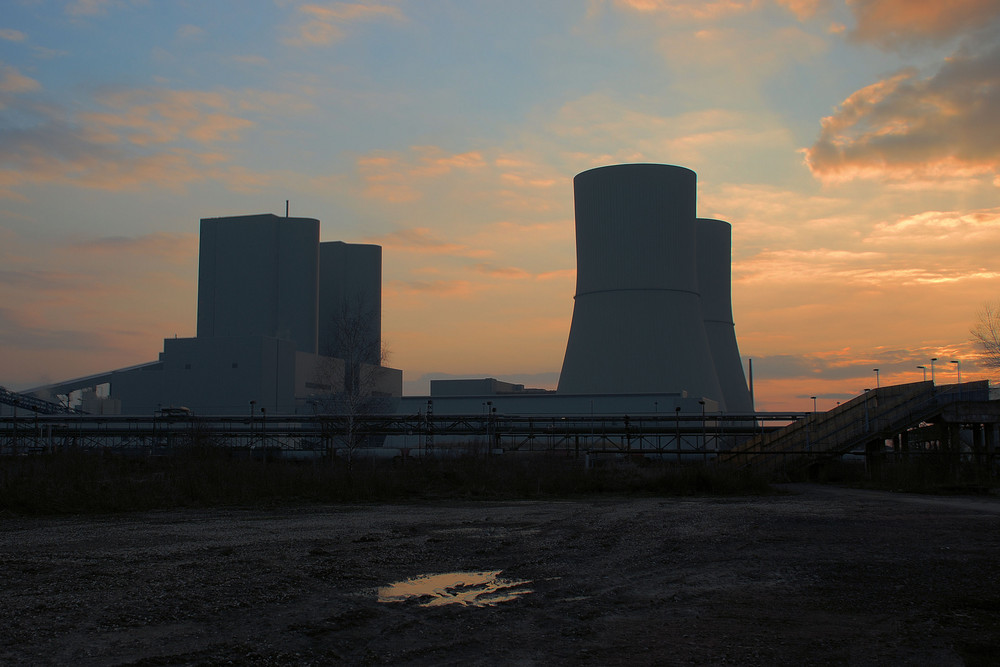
(972, 234)
(171, 247)
(324, 24)
(908, 126)
(145, 137)
(690, 10)
(421, 240)
(190, 32)
(803, 9)
(16, 333)
(97, 7)
(396, 177)
(894, 23)
(12, 81)
(12, 35)
(159, 116)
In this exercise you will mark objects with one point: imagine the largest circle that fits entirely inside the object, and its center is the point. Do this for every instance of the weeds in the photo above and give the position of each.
(82, 481)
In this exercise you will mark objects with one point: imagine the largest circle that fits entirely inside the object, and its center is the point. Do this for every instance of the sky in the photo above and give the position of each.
(853, 145)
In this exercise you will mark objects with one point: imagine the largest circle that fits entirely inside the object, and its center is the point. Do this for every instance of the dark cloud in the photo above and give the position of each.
(909, 125)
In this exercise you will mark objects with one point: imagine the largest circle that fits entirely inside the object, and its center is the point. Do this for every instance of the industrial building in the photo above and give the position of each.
(286, 324)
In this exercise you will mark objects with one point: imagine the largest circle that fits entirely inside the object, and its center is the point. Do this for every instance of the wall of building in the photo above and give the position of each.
(258, 275)
(350, 295)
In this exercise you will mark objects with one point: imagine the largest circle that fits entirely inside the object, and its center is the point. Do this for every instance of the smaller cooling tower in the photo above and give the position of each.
(714, 283)
(637, 319)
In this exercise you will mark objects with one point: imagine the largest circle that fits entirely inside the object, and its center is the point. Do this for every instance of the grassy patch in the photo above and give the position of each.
(91, 481)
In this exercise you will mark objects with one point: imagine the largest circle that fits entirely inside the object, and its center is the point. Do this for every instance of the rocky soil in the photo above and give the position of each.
(815, 576)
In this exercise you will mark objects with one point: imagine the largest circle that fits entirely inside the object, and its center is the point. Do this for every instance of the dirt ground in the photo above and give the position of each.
(819, 575)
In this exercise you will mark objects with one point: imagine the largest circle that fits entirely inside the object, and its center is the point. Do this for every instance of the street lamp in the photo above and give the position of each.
(704, 434)
(814, 403)
(924, 369)
(958, 369)
(932, 368)
(877, 385)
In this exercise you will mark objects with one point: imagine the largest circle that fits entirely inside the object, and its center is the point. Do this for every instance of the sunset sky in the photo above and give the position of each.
(854, 146)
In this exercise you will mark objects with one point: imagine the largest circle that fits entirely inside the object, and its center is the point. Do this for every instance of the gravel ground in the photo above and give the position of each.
(819, 575)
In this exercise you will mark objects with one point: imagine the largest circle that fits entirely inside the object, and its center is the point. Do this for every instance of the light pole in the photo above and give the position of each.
(704, 434)
(958, 369)
(814, 403)
(924, 369)
(933, 359)
(877, 385)
(677, 426)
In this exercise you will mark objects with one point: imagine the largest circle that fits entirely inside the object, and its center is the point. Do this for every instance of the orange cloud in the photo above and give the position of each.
(422, 240)
(803, 9)
(145, 117)
(698, 10)
(396, 178)
(906, 126)
(322, 25)
(12, 81)
(893, 23)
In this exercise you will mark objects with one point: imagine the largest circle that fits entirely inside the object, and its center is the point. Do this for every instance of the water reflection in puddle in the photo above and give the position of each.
(473, 589)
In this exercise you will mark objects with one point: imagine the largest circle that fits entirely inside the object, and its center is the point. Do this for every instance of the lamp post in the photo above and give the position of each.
(814, 403)
(677, 426)
(924, 369)
(877, 385)
(958, 369)
(933, 359)
(704, 434)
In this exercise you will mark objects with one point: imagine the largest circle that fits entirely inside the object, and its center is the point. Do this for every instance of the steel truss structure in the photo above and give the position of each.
(405, 435)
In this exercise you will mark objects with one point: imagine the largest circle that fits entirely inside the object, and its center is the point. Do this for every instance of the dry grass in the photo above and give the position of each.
(82, 481)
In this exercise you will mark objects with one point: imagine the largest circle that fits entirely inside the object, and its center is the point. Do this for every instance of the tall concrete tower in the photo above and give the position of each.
(258, 275)
(350, 295)
(715, 284)
(637, 320)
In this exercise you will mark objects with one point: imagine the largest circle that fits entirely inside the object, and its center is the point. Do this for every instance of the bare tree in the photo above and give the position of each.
(986, 333)
(351, 370)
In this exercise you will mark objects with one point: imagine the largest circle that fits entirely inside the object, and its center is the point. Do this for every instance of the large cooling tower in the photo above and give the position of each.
(637, 321)
(715, 284)
(258, 275)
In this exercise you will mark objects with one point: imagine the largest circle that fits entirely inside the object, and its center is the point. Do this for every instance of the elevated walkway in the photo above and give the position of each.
(871, 418)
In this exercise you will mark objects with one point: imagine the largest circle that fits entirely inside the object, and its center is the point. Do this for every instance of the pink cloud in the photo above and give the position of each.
(892, 23)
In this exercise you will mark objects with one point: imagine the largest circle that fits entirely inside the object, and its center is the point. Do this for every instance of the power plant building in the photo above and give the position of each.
(265, 285)
(285, 320)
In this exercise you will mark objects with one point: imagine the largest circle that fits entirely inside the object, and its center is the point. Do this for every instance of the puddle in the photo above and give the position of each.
(472, 589)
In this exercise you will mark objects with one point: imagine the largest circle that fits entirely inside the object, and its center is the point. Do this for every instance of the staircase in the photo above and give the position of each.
(874, 416)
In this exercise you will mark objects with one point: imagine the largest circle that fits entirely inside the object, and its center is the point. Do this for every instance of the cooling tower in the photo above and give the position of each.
(714, 238)
(637, 320)
(258, 275)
